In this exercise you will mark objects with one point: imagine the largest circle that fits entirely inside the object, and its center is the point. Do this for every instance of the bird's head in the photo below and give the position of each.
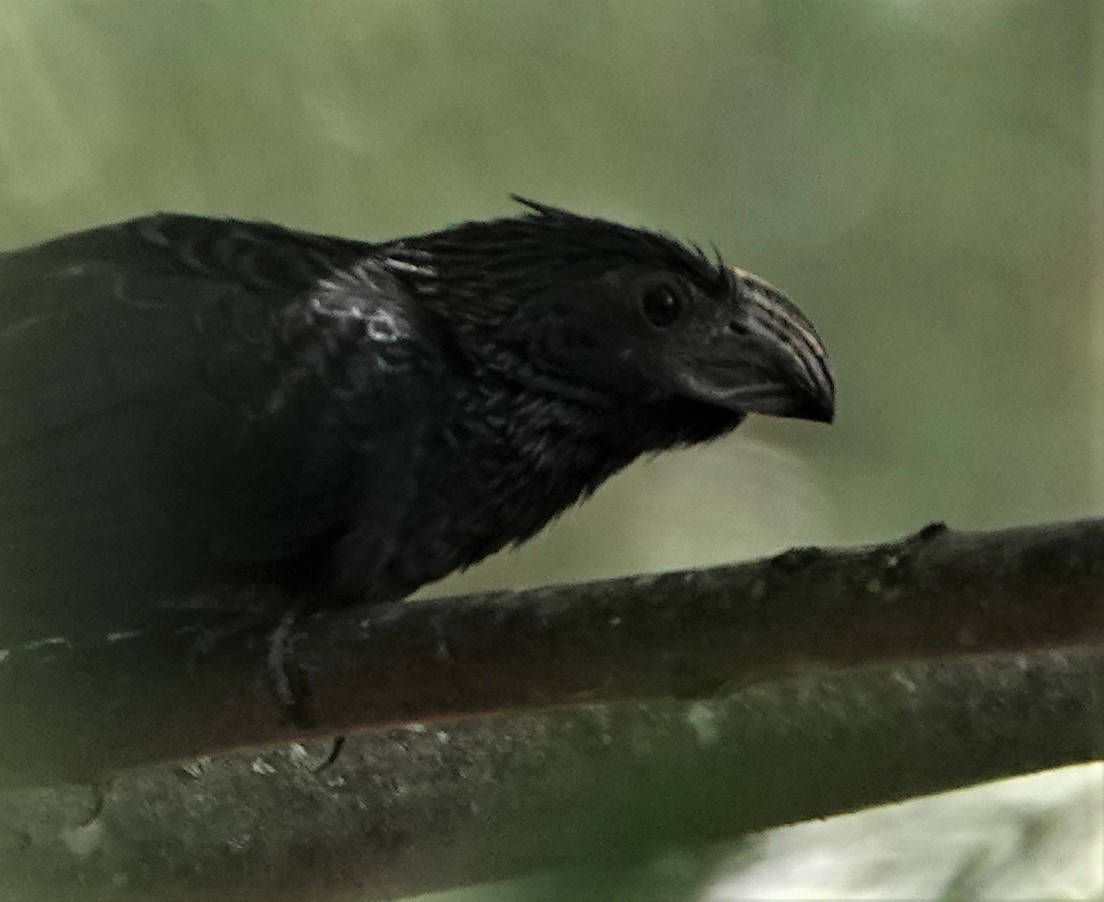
(635, 315)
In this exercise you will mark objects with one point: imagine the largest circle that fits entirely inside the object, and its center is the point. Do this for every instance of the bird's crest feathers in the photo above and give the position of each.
(502, 260)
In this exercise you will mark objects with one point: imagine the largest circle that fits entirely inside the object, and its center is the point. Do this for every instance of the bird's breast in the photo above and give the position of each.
(495, 479)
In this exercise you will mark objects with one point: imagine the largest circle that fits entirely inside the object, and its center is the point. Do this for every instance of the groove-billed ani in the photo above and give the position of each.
(188, 401)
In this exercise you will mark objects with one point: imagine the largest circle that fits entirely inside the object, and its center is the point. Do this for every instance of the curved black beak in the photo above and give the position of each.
(765, 358)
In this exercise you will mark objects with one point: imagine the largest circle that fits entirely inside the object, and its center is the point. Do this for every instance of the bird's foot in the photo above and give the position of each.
(290, 686)
(287, 681)
(335, 753)
(213, 620)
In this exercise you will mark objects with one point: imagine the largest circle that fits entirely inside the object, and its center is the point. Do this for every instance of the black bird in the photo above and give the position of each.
(186, 402)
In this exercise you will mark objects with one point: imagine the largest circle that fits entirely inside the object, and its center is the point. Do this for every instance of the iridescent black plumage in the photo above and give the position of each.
(186, 401)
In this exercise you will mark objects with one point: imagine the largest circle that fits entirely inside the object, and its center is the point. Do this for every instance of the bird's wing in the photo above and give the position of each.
(179, 395)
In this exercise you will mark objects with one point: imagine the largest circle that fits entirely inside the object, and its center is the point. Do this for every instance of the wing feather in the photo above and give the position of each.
(185, 400)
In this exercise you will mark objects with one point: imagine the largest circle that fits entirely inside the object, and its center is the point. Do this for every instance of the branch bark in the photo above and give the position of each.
(74, 711)
(420, 808)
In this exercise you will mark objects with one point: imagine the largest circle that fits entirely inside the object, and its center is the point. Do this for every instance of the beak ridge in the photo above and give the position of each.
(800, 357)
(769, 359)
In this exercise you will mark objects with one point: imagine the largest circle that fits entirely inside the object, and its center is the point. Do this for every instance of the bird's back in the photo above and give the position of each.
(115, 474)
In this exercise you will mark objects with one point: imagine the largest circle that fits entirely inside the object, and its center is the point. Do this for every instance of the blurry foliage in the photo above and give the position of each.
(915, 174)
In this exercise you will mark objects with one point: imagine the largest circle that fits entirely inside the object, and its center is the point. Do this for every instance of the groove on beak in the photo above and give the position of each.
(804, 385)
(763, 356)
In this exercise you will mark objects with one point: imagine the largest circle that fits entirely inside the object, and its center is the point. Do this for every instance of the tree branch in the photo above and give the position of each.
(414, 809)
(73, 711)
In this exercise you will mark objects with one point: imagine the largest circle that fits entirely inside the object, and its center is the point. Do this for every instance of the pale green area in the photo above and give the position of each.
(918, 176)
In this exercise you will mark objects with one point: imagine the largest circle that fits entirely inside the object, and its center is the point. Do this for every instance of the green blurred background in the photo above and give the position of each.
(924, 178)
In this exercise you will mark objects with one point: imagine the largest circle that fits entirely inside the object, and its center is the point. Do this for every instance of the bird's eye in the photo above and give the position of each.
(661, 306)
